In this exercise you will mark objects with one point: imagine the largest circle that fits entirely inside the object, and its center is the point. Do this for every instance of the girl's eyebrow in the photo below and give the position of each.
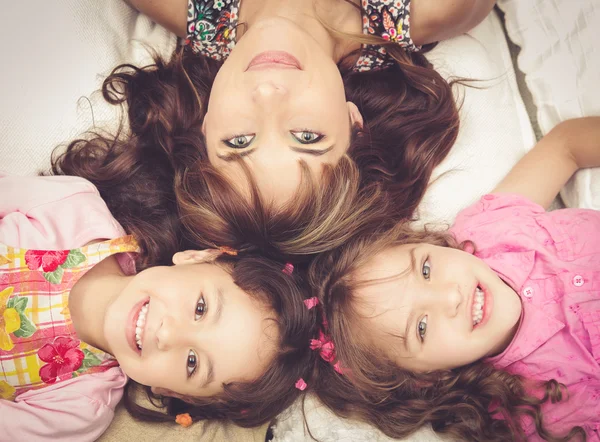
(409, 321)
(210, 371)
(413, 259)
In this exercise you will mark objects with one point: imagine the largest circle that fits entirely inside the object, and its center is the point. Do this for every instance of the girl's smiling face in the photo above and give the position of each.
(431, 308)
(188, 329)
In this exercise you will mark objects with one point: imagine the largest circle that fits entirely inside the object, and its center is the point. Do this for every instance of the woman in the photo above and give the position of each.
(279, 96)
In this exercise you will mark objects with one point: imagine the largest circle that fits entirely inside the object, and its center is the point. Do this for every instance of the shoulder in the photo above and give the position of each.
(389, 20)
(76, 410)
(497, 211)
(31, 191)
(54, 212)
(211, 27)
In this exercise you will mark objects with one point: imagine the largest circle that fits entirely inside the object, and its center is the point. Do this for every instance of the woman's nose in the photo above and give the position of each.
(268, 92)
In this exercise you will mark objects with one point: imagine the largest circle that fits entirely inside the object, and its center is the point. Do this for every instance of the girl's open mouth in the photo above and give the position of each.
(136, 325)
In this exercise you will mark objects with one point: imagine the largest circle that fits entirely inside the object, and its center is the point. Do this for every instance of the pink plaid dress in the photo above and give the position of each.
(38, 344)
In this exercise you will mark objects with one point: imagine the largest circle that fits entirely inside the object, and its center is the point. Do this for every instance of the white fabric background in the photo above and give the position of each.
(560, 57)
(54, 54)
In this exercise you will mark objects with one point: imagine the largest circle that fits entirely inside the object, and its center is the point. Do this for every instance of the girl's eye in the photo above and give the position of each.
(426, 270)
(422, 328)
(239, 141)
(307, 137)
(192, 362)
(200, 308)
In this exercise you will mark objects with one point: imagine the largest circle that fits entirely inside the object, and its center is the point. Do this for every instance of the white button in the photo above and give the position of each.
(528, 292)
(578, 280)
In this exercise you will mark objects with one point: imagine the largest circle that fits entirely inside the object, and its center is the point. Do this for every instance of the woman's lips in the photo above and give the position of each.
(274, 60)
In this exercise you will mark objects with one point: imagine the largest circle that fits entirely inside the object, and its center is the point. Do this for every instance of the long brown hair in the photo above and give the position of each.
(135, 169)
(474, 402)
(411, 122)
(253, 403)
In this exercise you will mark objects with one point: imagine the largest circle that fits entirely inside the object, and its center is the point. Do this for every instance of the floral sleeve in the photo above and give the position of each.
(390, 20)
(211, 27)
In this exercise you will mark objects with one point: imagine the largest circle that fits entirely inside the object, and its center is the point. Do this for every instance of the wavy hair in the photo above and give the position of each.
(253, 403)
(474, 402)
(154, 172)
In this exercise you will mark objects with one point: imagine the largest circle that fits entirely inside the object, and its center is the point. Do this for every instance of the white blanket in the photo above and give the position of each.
(55, 55)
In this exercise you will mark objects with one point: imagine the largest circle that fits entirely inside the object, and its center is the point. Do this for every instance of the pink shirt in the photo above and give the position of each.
(58, 213)
(552, 260)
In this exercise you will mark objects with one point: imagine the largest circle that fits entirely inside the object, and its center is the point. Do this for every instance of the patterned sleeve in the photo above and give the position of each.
(389, 20)
(211, 27)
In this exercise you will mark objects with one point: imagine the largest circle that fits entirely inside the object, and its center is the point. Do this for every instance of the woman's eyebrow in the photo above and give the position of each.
(245, 153)
(234, 155)
(315, 152)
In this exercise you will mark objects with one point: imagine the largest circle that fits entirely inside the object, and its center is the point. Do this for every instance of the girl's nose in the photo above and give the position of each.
(450, 299)
(168, 334)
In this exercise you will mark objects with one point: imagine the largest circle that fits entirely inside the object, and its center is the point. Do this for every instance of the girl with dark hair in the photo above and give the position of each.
(217, 335)
(488, 332)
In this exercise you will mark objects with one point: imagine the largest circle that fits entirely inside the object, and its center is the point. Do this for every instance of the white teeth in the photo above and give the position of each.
(139, 325)
(478, 303)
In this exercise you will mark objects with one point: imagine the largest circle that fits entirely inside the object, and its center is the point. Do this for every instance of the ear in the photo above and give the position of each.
(195, 256)
(356, 118)
(204, 125)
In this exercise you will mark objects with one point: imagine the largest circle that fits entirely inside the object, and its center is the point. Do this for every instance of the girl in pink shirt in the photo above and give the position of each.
(76, 321)
(488, 332)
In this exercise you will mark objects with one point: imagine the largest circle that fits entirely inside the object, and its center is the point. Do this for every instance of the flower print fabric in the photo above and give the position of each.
(389, 20)
(552, 260)
(58, 213)
(38, 343)
(212, 29)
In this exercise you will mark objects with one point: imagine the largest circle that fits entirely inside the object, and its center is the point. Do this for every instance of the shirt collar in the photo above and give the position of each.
(536, 326)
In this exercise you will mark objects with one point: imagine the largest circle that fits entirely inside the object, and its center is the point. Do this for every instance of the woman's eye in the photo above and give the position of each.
(426, 270)
(192, 362)
(200, 308)
(307, 137)
(422, 328)
(239, 141)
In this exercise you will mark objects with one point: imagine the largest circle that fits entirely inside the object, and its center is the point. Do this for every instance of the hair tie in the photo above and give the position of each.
(288, 268)
(337, 367)
(185, 420)
(325, 346)
(301, 385)
(311, 302)
(228, 250)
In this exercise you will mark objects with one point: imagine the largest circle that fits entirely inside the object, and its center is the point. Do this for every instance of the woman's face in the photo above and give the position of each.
(187, 329)
(278, 99)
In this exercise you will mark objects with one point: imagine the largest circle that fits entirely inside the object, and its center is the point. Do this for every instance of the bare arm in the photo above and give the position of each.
(172, 14)
(539, 175)
(436, 20)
